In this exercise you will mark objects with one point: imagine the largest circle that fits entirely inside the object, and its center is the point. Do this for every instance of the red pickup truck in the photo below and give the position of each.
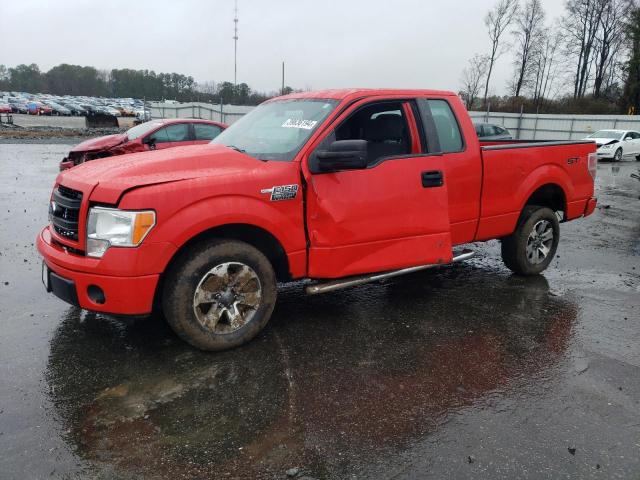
(342, 187)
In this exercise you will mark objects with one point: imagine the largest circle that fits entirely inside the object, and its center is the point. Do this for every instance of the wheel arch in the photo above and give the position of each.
(255, 236)
(550, 195)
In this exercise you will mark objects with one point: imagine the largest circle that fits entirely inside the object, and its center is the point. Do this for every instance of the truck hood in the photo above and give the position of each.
(100, 143)
(108, 178)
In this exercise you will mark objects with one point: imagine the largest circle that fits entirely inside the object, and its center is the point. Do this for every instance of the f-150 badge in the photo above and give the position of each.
(281, 192)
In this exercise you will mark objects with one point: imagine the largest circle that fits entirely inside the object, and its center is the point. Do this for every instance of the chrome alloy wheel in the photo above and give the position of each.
(540, 242)
(227, 297)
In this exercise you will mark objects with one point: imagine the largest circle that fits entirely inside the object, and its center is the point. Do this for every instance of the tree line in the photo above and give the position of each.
(67, 79)
(587, 61)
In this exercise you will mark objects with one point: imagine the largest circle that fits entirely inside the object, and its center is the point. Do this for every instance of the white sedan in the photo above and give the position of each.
(616, 144)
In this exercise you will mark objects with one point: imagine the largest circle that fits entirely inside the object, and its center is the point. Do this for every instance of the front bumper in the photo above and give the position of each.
(610, 153)
(122, 294)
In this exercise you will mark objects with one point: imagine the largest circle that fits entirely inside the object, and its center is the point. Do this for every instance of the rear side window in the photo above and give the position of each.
(204, 131)
(444, 122)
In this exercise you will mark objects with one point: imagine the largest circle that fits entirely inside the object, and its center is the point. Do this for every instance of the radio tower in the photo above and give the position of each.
(235, 46)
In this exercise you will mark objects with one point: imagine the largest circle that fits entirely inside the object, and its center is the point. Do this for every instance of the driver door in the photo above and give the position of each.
(391, 214)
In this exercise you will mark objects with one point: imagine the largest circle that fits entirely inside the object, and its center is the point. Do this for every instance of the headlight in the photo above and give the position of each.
(606, 146)
(108, 227)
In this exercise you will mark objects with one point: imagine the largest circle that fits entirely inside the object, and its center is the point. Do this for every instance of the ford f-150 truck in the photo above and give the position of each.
(341, 187)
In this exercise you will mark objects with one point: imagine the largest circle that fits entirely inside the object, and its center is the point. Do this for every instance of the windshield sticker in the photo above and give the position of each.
(295, 123)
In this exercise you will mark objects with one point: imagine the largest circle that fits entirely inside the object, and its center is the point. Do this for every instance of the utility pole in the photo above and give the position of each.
(235, 46)
(282, 90)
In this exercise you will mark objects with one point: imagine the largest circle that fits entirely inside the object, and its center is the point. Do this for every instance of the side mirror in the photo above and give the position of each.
(341, 155)
(150, 142)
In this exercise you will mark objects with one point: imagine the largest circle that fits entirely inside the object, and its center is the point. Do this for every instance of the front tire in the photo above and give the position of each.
(617, 157)
(220, 294)
(530, 249)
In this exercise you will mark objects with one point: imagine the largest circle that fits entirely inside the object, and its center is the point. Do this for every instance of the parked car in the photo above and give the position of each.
(152, 135)
(616, 144)
(5, 108)
(489, 132)
(90, 108)
(342, 186)
(38, 108)
(57, 109)
(109, 110)
(18, 106)
(75, 108)
(143, 114)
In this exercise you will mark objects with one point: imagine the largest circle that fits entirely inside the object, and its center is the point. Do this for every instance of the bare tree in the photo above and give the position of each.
(581, 23)
(609, 41)
(528, 34)
(497, 21)
(472, 77)
(545, 64)
(208, 87)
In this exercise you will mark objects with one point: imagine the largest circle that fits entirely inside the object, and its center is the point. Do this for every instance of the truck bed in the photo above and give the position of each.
(513, 171)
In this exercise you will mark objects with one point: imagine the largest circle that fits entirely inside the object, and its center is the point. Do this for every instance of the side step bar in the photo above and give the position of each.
(360, 280)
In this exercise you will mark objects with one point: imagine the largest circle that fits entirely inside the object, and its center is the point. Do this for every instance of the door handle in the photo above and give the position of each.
(433, 178)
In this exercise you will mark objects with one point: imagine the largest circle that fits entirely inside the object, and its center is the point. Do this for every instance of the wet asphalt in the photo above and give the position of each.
(464, 372)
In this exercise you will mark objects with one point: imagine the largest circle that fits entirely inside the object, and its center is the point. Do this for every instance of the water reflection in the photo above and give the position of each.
(334, 380)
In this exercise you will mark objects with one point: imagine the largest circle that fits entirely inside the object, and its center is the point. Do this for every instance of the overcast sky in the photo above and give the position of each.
(325, 44)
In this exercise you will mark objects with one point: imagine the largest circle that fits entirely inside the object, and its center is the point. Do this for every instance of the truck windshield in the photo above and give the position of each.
(276, 130)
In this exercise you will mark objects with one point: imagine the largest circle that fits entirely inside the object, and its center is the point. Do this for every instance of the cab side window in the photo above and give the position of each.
(382, 125)
(441, 117)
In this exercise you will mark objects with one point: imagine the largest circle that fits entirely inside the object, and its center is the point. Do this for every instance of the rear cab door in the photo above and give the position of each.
(389, 215)
(448, 131)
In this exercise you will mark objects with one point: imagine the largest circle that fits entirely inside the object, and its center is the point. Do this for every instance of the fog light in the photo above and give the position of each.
(96, 294)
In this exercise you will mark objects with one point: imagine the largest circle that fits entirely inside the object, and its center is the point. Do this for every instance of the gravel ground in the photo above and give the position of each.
(464, 372)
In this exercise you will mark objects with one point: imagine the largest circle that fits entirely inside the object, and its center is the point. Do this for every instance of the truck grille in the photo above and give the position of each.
(64, 212)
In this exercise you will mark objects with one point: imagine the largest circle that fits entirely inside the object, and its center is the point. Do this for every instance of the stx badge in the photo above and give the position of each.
(281, 192)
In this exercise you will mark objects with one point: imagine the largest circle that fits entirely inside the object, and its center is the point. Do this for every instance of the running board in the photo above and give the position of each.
(354, 281)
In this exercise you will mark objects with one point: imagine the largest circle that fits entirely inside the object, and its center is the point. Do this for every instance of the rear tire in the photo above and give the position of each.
(220, 294)
(530, 249)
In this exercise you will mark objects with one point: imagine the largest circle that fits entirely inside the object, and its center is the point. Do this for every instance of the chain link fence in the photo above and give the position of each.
(525, 126)
(207, 111)
(528, 126)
